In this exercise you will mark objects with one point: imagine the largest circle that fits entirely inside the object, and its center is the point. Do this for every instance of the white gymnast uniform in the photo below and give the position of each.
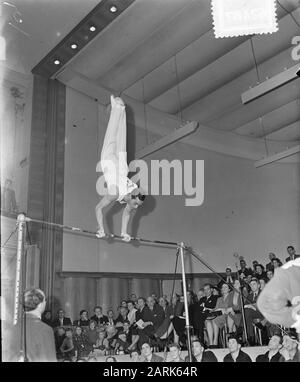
(113, 162)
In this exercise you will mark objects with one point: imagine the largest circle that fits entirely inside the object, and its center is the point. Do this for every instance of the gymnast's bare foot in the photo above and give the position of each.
(100, 233)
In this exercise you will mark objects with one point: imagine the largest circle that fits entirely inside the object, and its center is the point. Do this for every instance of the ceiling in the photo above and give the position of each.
(163, 53)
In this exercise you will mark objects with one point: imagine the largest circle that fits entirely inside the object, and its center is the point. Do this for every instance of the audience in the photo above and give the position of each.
(290, 350)
(99, 317)
(198, 353)
(144, 325)
(273, 354)
(83, 321)
(175, 352)
(235, 353)
(292, 253)
(148, 355)
(61, 320)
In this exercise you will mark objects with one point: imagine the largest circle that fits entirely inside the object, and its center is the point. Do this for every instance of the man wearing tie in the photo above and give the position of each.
(251, 311)
(61, 320)
(292, 253)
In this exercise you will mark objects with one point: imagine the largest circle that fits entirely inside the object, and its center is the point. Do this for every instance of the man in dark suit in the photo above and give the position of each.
(157, 312)
(272, 355)
(201, 310)
(251, 311)
(292, 253)
(199, 354)
(61, 320)
(235, 353)
(269, 266)
(148, 355)
(144, 315)
(99, 317)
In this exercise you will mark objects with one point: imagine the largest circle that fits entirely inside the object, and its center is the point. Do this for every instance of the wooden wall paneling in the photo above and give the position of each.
(112, 291)
(145, 287)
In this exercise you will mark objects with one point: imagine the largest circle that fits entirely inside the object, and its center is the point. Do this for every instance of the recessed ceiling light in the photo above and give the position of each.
(74, 46)
(56, 62)
(92, 28)
(113, 9)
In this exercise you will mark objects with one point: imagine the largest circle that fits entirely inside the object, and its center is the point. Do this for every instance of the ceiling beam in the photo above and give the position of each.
(279, 156)
(162, 124)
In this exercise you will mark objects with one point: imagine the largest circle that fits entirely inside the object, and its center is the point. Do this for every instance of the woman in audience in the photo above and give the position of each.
(81, 343)
(270, 274)
(135, 356)
(111, 359)
(67, 348)
(59, 336)
(83, 321)
(262, 283)
(92, 333)
(235, 306)
(47, 317)
(124, 339)
(121, 318)
(276, 263)
(213, 325)
(131, 312)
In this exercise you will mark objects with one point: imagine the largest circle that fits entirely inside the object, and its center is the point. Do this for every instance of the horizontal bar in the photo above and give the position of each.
(279, 156)
(106, 237)
(270, 84)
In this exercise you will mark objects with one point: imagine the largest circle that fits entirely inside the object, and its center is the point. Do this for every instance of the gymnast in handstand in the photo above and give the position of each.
(113, 164)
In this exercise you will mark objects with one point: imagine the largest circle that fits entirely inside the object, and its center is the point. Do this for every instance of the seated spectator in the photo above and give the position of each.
(235, 352)
(251, 311)
(135, 356)
(99, 317)
(175, 352)
(124, 339)
(155, 298)
(215, 291)
(83, 321)
(276, 263)
(111, 359)
(47, 318)
(124, 304)
(259, 272)
(133, 298)
(148, 355)
(111, 339)
(198, 353)
(273, 354)
(244, 271)
(122, 317)
(270, 274)
(144, 316)
(61, 320)
(229, 277)
(178, 322)
(254, 264)
(200, 294)
(201, 311)
(235, 304)
(67, 348)
(157, 314)
(223, 319)
(166, 327)
(110, 316)
(92, 333)
(131, 312)
(292, 254)
(59, 336)
(81, 343)
(262, 284)
(269, 266)
(100, 345)
(290, 351)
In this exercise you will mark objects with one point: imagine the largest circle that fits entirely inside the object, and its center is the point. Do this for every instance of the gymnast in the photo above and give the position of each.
(113, 164)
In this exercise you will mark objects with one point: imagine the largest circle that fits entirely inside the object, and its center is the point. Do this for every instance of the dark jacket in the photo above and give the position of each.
(66, 322)
(242, 357)
(156, 358)
(99, 320)
(207, 356)
(265, 357)
(289, 259)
